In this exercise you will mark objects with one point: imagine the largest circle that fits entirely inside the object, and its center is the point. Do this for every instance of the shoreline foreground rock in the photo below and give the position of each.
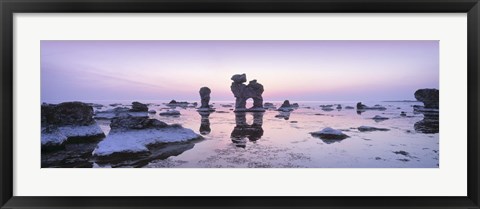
(68, 121)
(134, 135)
(243, 92)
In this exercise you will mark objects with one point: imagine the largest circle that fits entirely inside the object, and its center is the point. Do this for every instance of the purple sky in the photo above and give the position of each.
(295, 70)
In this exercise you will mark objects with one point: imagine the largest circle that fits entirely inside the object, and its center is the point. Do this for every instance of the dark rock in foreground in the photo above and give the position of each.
(135, 135)
(68, 121)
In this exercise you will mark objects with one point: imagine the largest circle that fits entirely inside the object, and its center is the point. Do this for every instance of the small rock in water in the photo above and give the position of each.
(139, 107)
(339, 107)
(403, 114)
(327, 108)
(361, 106)
(170, 113)
(401, 152)
(370, 128)
(152, 111)
(378, 118)
(286, 107)
(268, 105)
(330, 133)
(349, 107)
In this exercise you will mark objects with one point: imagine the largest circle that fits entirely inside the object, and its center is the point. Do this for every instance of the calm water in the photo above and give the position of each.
(263, 140)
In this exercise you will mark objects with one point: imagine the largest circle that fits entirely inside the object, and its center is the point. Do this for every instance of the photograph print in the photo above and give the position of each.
(239, 104)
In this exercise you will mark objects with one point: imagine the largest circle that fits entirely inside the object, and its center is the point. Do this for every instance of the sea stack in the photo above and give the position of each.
(243, 92)
(429, 97)
(205, 99)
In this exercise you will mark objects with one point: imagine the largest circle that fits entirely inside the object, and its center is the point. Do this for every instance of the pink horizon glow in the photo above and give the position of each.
(295, 70)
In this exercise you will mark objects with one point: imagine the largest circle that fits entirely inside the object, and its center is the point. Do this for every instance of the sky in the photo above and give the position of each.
(310, 70)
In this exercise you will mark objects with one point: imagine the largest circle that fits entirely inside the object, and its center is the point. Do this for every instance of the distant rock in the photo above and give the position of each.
(174, 103)
(128, 122)
(269, 105)
(152, 111)
(139, 107)
(429, 97)
(170, 113)
(362, 107)
(138, 110)
(330, 134)
(295, 105)
(66, 121)
(378, 118)
(403, 114)
(98, 106)
(286, 107)
(339, 107)
(370, 128)
(326, 108)
(115, 104)
(349, 107)
(226, 105)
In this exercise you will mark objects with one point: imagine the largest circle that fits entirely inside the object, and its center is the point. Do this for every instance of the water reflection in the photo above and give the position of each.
(429, 124)
(205, 123)
(243, 130)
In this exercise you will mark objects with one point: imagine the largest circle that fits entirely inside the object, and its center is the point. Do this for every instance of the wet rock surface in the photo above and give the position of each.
(68, 121)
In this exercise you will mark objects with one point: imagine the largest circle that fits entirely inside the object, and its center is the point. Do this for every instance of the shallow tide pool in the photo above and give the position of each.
(282, 140)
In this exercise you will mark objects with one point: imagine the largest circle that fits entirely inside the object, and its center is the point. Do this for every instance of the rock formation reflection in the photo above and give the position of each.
(429, 124)
(243, 130)
(205, 123)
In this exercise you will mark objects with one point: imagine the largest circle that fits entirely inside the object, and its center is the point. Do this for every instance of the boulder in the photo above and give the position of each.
(139, 107)
(68, 121)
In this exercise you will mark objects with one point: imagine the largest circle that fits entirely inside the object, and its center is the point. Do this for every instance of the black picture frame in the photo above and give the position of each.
(9, 7)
